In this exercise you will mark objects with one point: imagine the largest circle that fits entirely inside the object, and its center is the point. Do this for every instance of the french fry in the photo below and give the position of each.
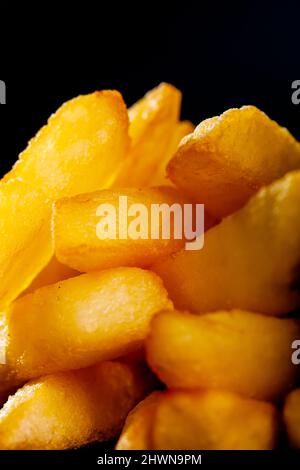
(52, 273)
(238, 351)
(181, 130)
(213, 420)
(80, 321)
(136, 433)
(291, 416)
(25, 232)
(153, 120)
(80, 149)
(229, 157)
(77, 222)
(249, 261)
(70, 409)
(83, 340)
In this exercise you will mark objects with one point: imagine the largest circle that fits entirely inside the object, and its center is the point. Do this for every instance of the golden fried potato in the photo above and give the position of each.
(153, 120)
(238, 351)
(71, 409)
(80, 149)
(136, 433)
(213, 420)
(25, 233)
(181, 130)
(229, 157)
(52, 273)
(84, 234)
(249, 261)
(291, 416)
(81, 321)
(5, 381)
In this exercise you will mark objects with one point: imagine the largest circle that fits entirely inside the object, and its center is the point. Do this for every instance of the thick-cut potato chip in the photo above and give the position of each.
(213, 420)
(238, 351)
(70, 409)
(25, 233)
(59, 214)
(291, 416)
(81, 321)
(90, 236)
(52, 273)
(229, 157)
(181, 130)
(153, 120)
(136, 433)
(250, 260)
(80, 149)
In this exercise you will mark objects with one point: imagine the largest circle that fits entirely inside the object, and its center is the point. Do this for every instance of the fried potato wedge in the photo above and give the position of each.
(229, 157)
(81, 321)
(136, 433)
(182, 129)
(25, 233)
(153, 120)
(291, 416)
(250, 260)
(80, 149)
(213, 420)
(52, 273)
(89, 238)
(238, 351)
(70, 409)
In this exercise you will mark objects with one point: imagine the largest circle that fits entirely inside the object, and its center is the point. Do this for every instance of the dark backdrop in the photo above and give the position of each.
(219, 54)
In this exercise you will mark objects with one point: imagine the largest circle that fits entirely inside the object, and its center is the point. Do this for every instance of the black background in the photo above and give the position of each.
(220, 54)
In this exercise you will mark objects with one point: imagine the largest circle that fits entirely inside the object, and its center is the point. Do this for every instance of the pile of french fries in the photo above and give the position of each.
(141, 341)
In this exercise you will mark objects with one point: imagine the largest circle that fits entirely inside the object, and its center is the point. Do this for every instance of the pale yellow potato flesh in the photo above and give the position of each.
(77, 221)
(213, 420)
(80, 149)
(229, 157)
(25, 233)
(153, 120)
(250, 260)
(291, 417)
(238, 351)
(80, 321)
(70, 409)
(136, 433)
